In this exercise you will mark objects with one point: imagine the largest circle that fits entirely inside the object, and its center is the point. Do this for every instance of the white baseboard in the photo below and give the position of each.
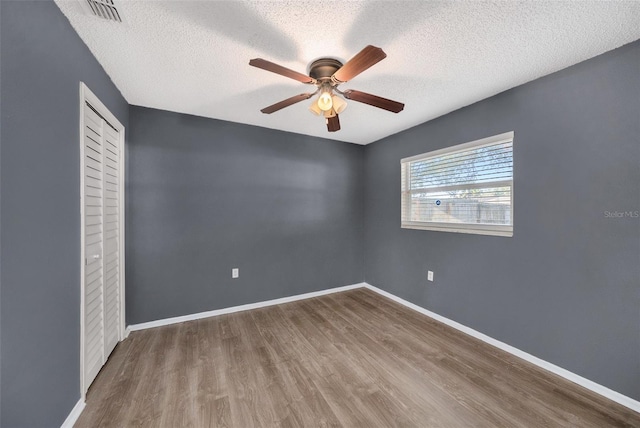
(595, 387)
(74, 415)
(200, 315)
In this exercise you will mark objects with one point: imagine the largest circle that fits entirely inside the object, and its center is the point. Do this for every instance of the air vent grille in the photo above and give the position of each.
(105, 9)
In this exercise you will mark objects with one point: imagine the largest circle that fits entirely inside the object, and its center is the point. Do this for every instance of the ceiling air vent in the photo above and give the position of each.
(104, 9)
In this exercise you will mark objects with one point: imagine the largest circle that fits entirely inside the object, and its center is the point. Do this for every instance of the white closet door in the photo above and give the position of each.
(94, 241)
(111, 162)
(102, 227)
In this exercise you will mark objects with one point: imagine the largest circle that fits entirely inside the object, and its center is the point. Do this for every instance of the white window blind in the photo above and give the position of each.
(465, 188)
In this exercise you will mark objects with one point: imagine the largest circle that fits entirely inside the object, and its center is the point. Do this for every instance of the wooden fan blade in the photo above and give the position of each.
(283, 71)
(333, 124)
(374, 100)
(364, 59)
(286, 103)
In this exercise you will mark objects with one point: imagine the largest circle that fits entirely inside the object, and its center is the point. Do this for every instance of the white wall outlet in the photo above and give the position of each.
(235, 272)
(430, 275)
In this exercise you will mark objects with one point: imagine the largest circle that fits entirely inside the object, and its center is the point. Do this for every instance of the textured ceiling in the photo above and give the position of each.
(192, 57)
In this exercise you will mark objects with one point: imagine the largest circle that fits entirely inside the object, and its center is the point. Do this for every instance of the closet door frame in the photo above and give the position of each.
(86, 96)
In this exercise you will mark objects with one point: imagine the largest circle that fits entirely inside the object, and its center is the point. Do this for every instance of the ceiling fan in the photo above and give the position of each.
(326, 74)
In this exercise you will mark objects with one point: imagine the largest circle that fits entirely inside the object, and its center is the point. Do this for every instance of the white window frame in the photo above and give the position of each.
(480, 229)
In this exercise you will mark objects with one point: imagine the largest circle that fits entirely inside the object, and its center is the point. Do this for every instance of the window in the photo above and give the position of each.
(466, 188)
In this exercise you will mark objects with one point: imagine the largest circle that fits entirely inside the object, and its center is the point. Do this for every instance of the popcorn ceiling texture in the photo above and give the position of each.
(192, 57)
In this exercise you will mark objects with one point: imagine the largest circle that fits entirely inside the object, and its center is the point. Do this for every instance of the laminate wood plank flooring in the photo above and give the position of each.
(351, 359)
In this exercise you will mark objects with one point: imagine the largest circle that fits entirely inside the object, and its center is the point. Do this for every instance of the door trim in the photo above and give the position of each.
(87, 96)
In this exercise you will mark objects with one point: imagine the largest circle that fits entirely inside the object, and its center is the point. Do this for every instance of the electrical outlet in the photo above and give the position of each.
(430, 275)
(235, 272)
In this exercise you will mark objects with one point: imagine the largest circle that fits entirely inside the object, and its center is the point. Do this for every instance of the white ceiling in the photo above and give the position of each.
(192, 57)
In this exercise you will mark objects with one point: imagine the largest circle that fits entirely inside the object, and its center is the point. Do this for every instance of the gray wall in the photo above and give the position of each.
(43, 61)
(566, 287)
(205, 196)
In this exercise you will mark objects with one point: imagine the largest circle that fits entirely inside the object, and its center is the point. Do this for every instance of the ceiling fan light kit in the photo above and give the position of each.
(330, 113)
(324, 100)
(313, 108)
(326, 74)
(339, 105)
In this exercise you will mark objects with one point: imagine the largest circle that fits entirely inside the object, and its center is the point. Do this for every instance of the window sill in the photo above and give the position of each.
(491, 231)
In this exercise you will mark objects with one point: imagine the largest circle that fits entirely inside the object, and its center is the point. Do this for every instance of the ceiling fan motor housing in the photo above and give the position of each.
(324, 68)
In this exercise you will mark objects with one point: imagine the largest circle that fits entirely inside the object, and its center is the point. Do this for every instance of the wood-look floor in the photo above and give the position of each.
(352, 359)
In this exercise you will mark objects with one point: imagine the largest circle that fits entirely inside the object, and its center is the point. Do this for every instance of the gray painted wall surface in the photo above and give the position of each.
(43, 61)
(205, 196)
(566, 287)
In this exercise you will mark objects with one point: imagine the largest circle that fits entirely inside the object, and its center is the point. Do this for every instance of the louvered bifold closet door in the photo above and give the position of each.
(102, 221)
(94, 239)
(111, 160)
